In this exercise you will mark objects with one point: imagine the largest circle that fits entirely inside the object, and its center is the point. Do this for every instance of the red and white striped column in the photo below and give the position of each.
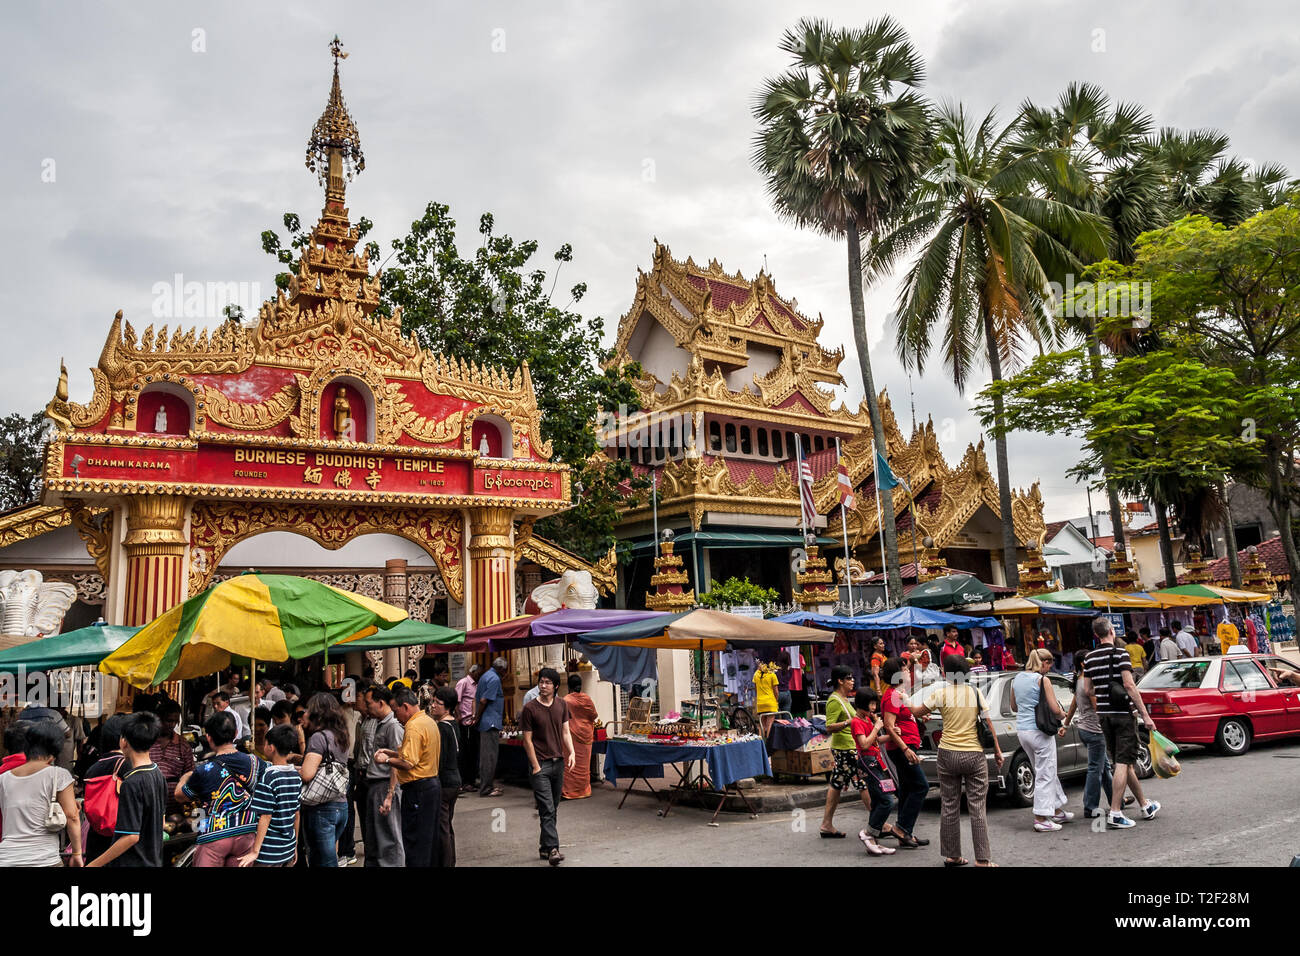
(155, 556)
(491, 566)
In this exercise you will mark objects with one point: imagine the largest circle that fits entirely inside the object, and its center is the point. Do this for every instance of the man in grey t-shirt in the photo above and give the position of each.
(381, 832)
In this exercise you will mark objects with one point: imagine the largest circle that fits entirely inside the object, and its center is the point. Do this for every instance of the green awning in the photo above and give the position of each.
(86, 645)
(728, 539)
(404, 634)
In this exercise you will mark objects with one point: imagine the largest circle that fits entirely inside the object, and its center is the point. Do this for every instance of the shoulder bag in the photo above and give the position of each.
(101, 799)
(1045, 719)
(55, 818)
(330, 783)
(1115, 689)
(982, 731)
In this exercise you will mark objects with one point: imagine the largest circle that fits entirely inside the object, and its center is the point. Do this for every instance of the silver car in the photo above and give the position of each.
(1016, 779)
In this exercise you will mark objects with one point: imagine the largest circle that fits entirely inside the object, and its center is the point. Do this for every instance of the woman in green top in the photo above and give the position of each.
(839, 714)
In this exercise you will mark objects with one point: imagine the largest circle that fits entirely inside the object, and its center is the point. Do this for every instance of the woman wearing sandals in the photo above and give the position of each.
(962, 760)
(904, 738)
(839, 716)
(1026, 689)
(867, 728)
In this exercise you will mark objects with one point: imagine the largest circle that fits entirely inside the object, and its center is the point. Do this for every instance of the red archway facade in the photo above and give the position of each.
(321, 418)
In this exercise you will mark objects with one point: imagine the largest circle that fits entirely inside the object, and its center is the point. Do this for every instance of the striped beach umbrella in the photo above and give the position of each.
(264, 617)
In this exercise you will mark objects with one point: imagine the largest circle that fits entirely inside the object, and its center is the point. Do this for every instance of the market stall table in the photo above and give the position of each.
(721, 766)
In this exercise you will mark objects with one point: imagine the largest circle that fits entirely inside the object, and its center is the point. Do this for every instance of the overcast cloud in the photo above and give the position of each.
(176, 134)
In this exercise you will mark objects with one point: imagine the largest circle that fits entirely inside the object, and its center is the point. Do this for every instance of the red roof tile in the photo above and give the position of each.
(778, 306)
(1270, 550)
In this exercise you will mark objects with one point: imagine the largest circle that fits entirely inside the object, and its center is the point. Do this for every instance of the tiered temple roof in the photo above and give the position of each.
(720, 322)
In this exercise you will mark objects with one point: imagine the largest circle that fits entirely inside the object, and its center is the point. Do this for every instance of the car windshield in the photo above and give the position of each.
(1176, 674)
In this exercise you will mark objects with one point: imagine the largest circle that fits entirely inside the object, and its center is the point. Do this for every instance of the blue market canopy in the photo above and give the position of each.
(892, 620)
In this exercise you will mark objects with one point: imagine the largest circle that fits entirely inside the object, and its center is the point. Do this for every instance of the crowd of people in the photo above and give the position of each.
(876, 733)
(292, 789)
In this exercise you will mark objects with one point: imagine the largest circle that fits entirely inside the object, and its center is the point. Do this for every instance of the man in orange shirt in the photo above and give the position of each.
(415, 770)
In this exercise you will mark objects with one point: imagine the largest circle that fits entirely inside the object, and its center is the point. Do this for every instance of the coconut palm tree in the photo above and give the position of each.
(987, 243)
(1108, 169)
(842, 137)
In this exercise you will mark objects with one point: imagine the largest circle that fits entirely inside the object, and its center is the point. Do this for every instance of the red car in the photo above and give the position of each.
(1226, 701)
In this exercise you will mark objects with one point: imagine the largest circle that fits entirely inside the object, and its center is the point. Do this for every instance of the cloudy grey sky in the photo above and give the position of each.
(174, 134)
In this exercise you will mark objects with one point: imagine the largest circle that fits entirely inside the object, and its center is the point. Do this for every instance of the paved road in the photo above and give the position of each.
(1219, 811)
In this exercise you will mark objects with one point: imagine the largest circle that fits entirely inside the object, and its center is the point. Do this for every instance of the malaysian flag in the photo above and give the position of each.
(847, 499)
(806, 493)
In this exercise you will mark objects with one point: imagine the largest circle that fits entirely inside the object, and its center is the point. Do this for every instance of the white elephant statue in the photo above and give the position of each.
(29, 606)
(572, 589)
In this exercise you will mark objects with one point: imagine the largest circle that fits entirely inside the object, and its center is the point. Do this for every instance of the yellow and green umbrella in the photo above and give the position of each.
(266, 617)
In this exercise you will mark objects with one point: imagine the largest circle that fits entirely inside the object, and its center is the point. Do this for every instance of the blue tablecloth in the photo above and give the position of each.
(791, 736)
(727, 763)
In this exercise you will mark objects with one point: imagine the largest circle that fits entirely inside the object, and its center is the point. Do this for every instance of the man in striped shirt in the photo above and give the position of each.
(1108, 682)
(276, 802)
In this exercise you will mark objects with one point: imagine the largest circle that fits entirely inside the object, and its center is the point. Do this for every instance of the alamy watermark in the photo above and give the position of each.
(179, 299)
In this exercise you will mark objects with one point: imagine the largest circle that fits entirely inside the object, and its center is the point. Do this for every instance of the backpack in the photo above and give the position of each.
(100, 804)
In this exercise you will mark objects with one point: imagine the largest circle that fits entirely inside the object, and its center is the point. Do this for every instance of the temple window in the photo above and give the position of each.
(762, 442)
(746, 446)
(807, 445)
(731, 436)
(715, 437)
(164, 409)
(490, 437)
(818, 444)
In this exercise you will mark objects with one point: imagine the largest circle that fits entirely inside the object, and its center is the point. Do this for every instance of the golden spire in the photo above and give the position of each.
(335, 145)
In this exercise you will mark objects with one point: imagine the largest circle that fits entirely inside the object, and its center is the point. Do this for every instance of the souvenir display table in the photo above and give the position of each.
(722, 761)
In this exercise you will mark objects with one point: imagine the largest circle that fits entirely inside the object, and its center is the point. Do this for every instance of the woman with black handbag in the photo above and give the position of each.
(1038, 722)
(325, 780)
(967, 730)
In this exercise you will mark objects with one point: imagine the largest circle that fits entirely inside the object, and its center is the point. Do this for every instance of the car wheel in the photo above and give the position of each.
(1144, 767)
(1233, 738)
(1022, 781)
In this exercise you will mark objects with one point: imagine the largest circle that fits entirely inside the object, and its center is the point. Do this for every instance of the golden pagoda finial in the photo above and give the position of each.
(335, 144)
(58, 410)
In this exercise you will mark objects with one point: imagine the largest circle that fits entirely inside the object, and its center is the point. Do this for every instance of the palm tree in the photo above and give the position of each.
(842, 137)
(1108, 170)
(988, 243)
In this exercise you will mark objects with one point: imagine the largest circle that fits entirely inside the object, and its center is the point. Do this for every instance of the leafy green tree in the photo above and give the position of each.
(22, 453)
(842, 136)
(987, 244)
(735, 592)
(1235, 291)
(494, 307)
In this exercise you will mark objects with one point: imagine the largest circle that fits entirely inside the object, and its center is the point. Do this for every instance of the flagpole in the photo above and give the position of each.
(844, 525)
(654, 505)
(880, 521)
(798, 480)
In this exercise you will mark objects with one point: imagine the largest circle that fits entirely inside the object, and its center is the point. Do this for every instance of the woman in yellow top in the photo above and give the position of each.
(765, 682)
(961, 759)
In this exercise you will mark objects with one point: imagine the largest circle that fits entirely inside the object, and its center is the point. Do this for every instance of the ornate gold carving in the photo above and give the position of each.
(420, 428)
(154, 520)
(604, 573)
(490, 529)
(216, 526)
(31, 522)
(251, 416)
(95, 525)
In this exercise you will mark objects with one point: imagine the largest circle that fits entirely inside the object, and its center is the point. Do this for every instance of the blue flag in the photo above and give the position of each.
(885, 478)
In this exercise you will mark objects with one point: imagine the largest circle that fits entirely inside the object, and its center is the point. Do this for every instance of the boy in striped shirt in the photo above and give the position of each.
(276, 803)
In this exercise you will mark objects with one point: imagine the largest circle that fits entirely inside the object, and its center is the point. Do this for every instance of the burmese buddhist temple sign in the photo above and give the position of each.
(321, 417)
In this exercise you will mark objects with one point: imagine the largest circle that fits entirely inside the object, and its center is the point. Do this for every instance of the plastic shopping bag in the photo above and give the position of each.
(1163, 760)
